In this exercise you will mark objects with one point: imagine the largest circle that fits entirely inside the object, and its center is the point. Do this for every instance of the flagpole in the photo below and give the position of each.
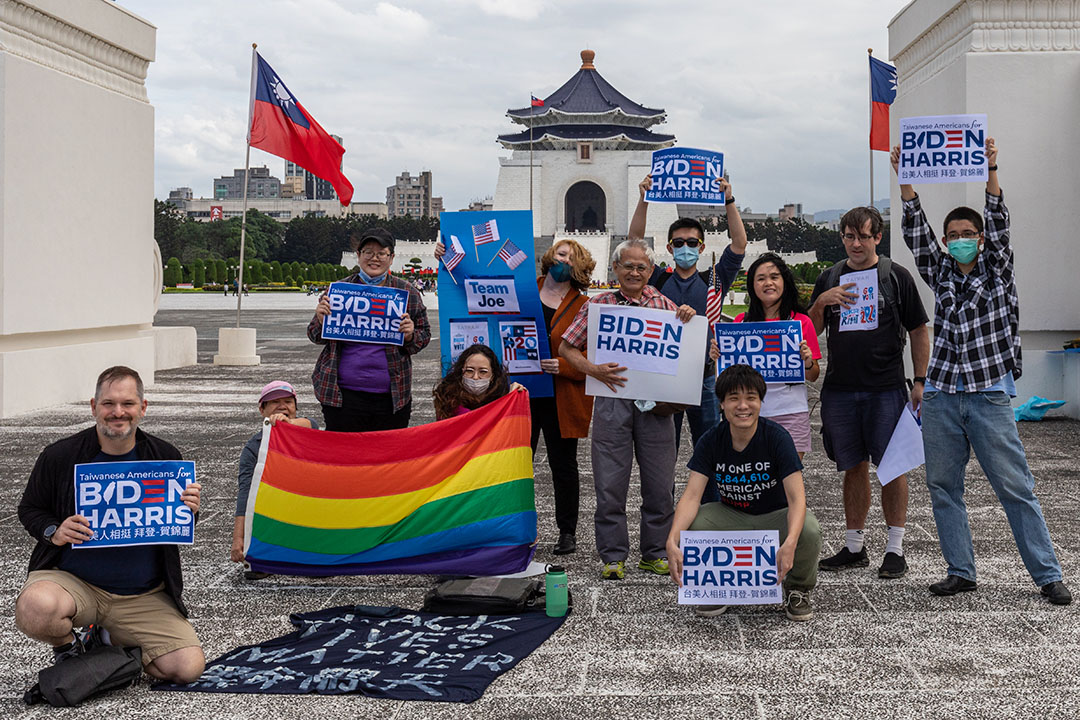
(870, 89)
(530, 153)
(247, 166)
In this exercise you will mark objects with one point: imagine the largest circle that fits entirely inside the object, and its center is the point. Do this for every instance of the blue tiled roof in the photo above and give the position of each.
(587, 92)
(587, 133)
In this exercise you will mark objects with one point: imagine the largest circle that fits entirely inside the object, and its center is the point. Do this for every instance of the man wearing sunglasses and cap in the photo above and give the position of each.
(277, 403)
(363, 386)
(684, 285)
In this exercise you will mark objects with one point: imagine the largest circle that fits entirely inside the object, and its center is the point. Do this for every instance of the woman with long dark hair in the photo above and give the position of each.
(774, 295)
(475, 379)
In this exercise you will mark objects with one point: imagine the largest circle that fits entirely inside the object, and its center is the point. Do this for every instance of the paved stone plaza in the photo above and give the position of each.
(886, 649)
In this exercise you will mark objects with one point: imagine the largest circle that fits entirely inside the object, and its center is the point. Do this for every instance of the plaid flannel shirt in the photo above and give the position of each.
(578, 332)
(976, 316)
(398, 359)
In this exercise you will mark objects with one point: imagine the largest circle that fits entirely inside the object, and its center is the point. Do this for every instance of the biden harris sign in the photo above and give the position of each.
(771, 348)
(942, 149)
(135, 503)
(661, 354)
(686, 175)
(365, 313)
(725, 567)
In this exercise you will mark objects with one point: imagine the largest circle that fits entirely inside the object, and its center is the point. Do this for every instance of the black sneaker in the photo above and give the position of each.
(843, 560)
(252, 575)
(1056, 593)
(893, 566)
(797, 605)
(567, 544)
(83, 641)
(953, 584)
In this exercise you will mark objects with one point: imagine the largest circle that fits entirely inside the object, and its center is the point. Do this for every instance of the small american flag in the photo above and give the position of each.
(512, 254)
(714, 299)
(456, 254)
(485, 233)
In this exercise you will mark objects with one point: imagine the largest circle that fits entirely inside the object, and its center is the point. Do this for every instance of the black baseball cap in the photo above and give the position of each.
(379, 235)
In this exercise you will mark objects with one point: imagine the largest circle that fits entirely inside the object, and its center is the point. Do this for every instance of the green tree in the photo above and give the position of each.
(294, 269)
(275, 272)
(198, 273)
(173, 274)
(167, 224)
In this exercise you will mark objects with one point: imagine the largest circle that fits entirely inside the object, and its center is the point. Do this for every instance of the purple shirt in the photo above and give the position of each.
(363, 367)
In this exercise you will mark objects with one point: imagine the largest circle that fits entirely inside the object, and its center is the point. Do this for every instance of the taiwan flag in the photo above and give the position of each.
(281, 126)
(882, 94)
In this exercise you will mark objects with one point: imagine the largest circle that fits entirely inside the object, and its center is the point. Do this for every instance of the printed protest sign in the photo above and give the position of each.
(465, 333)
(863, 315)
(661, 353)
(771, 348)
(639, 338)
(729, 567)
(365, 313)
(491, 295)
(521, 352)
(135, 503)
(686, 175)
(942, 149)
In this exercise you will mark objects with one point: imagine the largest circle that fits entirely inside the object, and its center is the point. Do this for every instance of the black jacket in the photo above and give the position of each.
(49, 498)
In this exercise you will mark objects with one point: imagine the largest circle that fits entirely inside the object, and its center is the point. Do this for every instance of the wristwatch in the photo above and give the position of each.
(919, 379)
(49, 532)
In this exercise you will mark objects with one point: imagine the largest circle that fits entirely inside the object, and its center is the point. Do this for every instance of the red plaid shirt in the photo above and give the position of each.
(398, 359)
(578, 332)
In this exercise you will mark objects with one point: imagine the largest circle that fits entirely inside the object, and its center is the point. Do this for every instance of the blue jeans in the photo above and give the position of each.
(700, 419)
(952, 425)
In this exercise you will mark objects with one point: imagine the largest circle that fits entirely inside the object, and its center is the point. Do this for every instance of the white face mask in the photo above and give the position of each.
(476, 386)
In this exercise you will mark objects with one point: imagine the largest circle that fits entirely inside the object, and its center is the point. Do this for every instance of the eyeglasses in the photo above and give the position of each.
(382, 254)
(967, 235)
(630, 268)
(852, 237)
(692, 242)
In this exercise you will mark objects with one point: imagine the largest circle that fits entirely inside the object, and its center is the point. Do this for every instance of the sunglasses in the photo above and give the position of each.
(693, 242)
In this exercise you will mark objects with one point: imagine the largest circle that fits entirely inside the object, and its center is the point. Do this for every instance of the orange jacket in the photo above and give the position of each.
(574, 406)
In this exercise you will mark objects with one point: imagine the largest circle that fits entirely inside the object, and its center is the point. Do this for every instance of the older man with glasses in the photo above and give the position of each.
(363, 386)
(621, 430)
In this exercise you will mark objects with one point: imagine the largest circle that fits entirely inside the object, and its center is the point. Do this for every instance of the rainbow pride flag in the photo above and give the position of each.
(452, 497)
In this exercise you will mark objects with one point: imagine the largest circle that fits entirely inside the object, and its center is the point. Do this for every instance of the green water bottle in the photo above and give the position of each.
(555, 591)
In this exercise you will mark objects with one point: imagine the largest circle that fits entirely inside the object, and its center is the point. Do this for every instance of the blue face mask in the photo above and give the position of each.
(370, 280)
(964, 250)
(686, 257)
(560, 271)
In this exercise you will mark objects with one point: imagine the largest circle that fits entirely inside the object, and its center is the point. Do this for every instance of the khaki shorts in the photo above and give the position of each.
(149, 621)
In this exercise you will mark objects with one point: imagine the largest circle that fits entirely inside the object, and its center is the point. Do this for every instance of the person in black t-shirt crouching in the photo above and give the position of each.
(757, 473)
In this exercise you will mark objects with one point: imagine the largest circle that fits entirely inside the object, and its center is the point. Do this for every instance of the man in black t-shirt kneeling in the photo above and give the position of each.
(756, 470)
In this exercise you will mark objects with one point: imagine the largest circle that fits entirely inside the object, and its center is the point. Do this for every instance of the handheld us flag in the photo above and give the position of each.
(486, 232)
(714, 297)
(511, 254)
(455, 255)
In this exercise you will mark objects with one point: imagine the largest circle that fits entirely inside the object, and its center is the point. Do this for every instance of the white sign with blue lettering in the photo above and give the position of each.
(942, 149)
(135, 503)
(863, 315)
(487, 295)
(771, 348)
(729, 567)
(365, 313)
(661, 354)
(686, 175)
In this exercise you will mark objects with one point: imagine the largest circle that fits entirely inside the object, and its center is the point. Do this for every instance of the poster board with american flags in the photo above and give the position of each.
(488, 275)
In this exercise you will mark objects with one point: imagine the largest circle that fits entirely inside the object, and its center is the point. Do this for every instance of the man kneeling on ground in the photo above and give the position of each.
(131, 592)
(758, 475)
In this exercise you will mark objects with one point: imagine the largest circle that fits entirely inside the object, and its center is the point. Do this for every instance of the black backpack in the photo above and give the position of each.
(888, 285)
(487, 596)
(95, 672)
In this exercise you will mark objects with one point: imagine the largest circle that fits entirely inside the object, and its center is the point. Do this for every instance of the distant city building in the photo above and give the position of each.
(180, 193)
(293, 187)
(308, 186)
(281, 209)
(411, 195)
(485, 205)
(261, 184)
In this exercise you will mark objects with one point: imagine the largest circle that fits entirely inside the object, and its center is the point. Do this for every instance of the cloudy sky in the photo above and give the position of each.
(780, 87)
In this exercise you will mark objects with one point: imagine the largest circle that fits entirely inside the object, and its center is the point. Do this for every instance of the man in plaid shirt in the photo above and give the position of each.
(975, 361)
(621, 429)
(363, 386)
